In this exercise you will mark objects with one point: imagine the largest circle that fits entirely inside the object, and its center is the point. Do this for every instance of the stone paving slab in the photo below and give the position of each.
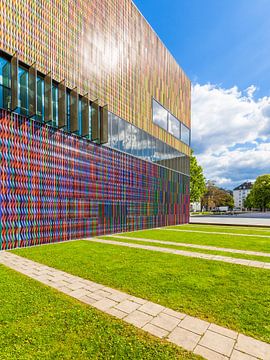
(226, 259)
(211, 341)
(194, 246)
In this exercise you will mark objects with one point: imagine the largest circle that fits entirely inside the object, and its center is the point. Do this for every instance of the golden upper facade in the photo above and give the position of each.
(104, 48)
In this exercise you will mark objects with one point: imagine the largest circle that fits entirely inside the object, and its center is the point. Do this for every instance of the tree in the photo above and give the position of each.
(249, 202)
(216, 197)
(260, 193)
(197, 180)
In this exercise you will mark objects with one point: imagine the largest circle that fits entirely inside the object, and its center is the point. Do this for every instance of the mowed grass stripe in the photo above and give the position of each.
(233, 296)
(37, 322)
(183, 246)
(211, 239)
(246, 252)
(215, 232)
(232, 229)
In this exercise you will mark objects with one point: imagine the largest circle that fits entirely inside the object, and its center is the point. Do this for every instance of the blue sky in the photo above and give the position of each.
(224, 48)
(225, 42)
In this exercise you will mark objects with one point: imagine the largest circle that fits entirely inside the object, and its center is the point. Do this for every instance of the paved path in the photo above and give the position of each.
(193, 254)
(203, 338)
(215, 232)
(222, 227)
(195, 246)
(230, 220)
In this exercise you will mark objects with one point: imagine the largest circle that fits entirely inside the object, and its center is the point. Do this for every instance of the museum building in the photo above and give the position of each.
(94, 123)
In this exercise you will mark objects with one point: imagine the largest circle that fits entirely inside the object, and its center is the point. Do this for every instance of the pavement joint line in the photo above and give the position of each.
(215, 232)
(211, 339)
(195, 246)
(196, 255)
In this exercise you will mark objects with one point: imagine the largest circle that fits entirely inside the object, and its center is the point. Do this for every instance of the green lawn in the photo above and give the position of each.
(224, 228)
(234, 296)
(186, 248)
(226, 241)
(37, 322)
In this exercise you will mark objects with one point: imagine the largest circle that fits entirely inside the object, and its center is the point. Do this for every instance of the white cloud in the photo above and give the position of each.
(230, 133)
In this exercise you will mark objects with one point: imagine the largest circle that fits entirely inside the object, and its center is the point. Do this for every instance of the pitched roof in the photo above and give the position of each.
(245, 186)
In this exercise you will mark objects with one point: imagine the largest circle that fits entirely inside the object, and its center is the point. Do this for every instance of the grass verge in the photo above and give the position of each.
(226, 241)
(230, 295)
(37, 322)
(228, 229)
(186, 248)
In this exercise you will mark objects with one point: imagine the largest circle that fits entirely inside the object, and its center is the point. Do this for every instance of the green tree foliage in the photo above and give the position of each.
(216, 197)
(197, 180)
(249, 202)
(259, 197)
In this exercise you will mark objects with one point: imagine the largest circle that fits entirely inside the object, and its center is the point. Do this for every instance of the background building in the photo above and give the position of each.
(240, 194)
(94, 122)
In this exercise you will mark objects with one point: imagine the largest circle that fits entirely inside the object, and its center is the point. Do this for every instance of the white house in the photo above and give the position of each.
(240, 194)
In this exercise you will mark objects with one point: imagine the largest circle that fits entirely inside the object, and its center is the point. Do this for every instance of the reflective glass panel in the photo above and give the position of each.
(185, 134)
(173, 126)
(145, 147)
(68, 111)
(54, 105)
(80, 115)
(109, 129)
(23, 91)
(90, 123)
(114, 132)
(160, 115)
(135, 139)
(128, 138)
(40, 99)
(159, 150)
(5, 84)
(121, 134)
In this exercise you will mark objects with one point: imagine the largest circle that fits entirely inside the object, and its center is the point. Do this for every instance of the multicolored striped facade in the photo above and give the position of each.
(56, 186)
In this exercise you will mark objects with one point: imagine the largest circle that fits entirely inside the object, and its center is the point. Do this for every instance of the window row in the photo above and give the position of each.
(28, 93)
(170, 123)
(126, 137)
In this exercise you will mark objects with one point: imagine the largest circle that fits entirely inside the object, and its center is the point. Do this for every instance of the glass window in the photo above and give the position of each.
(159, 150)
(40, 99)
(153, 149)
(55, 105)
(185, 134)
(109, 129)
(128, 138)
(145, 147)
(80, 115)
(114, 132)
(174, 126)
(149, 152)
(5, 84)
(90, 122)
(68, 111)
(135, 139)
(121, 134)
(23, 91)
(160, 115)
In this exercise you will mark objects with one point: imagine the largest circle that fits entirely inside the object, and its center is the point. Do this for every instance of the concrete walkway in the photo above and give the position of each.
(203, 338)
(194, 246)
(230, 220)
(193, 254)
